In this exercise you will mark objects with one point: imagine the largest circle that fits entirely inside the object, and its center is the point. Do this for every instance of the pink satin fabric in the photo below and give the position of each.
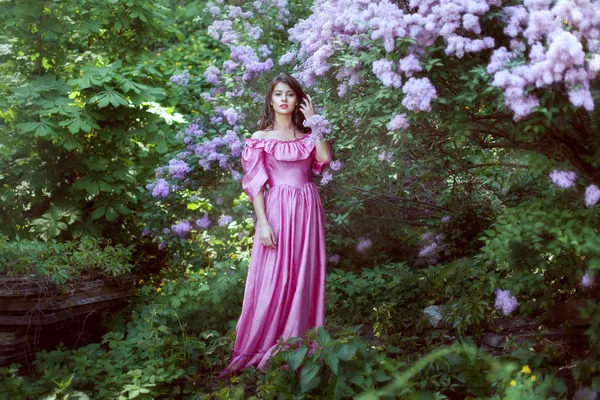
(285, 287)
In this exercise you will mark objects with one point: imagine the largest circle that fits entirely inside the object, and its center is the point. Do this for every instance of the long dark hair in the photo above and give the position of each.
(267, 118)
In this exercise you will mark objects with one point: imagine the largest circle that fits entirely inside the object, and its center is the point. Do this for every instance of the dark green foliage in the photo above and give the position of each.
(79, 137)
(62, 262)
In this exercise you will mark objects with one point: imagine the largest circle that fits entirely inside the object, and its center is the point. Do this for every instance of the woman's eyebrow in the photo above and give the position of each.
(278, 90)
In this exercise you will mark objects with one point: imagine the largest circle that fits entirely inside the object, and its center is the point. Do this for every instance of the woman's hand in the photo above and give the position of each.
(267, 237)
(307, 107)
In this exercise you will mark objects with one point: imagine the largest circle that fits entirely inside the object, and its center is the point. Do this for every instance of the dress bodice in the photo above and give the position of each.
(279, 162)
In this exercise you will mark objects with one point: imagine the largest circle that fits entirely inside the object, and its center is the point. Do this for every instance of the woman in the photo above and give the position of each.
(285, 288)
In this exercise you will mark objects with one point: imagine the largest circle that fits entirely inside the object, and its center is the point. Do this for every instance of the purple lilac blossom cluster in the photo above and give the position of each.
(386, 156)
(505, 302)
(563, 179)
(554, 42)
(225, 220)
(342, 23)
(432, 246)
(319, 126)
(160, 189)
(551, 39)
(204, 222)
(334, 259)
(327, 177)
(363, 244)
(592, 195)
(182, 79)
(181, 229)
(398, 122)
(336, 165)
(587, 281)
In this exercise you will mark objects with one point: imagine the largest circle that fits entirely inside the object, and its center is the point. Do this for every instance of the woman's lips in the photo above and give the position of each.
(283, 106)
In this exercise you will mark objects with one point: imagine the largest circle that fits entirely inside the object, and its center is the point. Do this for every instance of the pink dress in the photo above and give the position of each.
(285, 287)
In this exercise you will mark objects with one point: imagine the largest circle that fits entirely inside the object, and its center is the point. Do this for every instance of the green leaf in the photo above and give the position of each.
(323, 337)
(296, 357)
(333, 362)
(162, 146)
(309, 378)
(111, 214)
(98, 212)
(346, 352)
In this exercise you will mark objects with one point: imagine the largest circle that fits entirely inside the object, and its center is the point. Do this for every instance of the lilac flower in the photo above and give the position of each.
(212, 75)
(223, 30)
(356, 122)
(181, 229)
(505, 302)
(264, 51)
(383, 70)
(363, 244)
(219, 200)
(236, 175)
(205, 164)
(166, 231)
(231, 116)
(256, 69)
(162, 245)
(418, 94)
(386, 156)
(587, 281)
(334, 259)
(409, 65)
(336, 165)
(398, 122)
(592, 195)
(446, 218)
(178, 169)
(194, 130)
(327, 176)
(229, 66)
(319, 126)
(237, 12)
(161, 189)
(225, 220)
(204, 222)
(563, 179)
(288, 58)
(236, 149)
(182, 79)
(146, 232)
(254, 31)
(430, 253)
(214, 10)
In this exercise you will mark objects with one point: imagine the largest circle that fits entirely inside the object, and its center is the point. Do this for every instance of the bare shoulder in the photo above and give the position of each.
(258, 135)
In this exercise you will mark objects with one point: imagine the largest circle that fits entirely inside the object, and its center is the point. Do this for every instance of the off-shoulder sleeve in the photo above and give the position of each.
(317, 167)
(254, 168)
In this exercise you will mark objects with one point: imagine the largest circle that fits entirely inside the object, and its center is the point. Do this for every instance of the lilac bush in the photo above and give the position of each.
(550, 41)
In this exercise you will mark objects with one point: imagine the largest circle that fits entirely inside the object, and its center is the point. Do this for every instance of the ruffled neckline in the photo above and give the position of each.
(283, 150)
(280, 140)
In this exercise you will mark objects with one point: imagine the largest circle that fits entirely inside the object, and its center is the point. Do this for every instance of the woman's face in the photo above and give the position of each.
(283, 99)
